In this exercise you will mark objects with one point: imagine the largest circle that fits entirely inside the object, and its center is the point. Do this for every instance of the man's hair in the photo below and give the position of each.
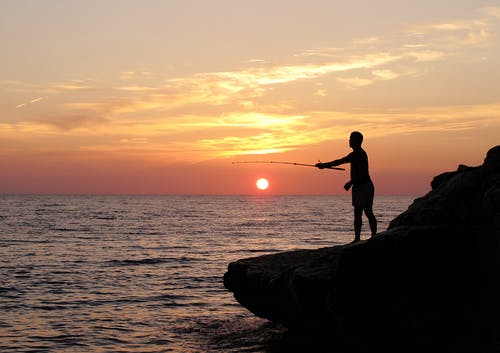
(357, 138)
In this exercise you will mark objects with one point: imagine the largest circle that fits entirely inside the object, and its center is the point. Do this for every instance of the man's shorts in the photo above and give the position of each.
(362, 195)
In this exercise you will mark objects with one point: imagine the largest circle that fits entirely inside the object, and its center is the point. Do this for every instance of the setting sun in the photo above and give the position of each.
(262, 184)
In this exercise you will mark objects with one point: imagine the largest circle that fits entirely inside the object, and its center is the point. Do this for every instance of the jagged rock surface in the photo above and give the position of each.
(434, 275)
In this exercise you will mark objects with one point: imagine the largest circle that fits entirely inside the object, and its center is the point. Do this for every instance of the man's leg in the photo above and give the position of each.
(371, 219)
(358, 212)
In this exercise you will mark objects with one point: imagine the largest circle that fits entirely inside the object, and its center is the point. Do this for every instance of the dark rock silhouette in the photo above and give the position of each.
(430, 282)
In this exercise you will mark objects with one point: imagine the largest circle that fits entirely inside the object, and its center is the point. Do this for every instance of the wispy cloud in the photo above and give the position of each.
(20, 87)
(480, 30)
(246, 85)
(251, 133)
(32, 101)
(491, 11)
(136, 88)
(261, 107)
(325, 126)
(73, 122)
(356, 82)
(134, 75)
(321, 52)
(385, 74)
(16, 86)
(73, 85)
(365, 62)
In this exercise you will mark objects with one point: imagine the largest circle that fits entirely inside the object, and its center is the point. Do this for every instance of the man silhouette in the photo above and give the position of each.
(361, 183)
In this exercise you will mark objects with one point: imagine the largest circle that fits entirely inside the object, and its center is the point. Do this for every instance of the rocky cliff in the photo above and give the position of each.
(431, 280)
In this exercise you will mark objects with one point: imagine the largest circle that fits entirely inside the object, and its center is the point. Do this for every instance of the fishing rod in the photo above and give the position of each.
(290, 163)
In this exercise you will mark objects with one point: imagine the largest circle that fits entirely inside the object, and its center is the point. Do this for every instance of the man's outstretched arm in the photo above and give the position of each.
(333, 163)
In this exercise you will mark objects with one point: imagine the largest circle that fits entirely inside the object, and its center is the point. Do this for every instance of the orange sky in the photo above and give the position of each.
(159, 97)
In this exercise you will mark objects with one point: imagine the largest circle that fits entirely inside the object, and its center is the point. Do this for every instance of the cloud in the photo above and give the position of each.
(427, 55)
(250, 120)
(319, 127)
(366, 62)
(255, 61)
(325, 126)
(407, 120)
(49, 88)
(367, 40)
(326, 52)
(385, 74)
(73, 122)
(460, 33)
(134, 75)
(32, 101)
(135, 140)
(227, 87)
(73, 85)
(274, 141)
(195, 138)
(491, 11)
(356, 82)
(262, 107)
(17, 86)
(136, 88)
(456, 26)
(321, 92)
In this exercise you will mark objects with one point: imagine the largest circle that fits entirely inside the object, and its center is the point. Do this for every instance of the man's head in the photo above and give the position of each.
(355, 139)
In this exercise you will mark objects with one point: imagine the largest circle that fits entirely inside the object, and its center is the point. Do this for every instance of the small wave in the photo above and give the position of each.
(49, 307)
(106, 218)
(66, 229)
(141, 232)
(255, 251)
(159, 342)
(262, 250)
(249, 224)
(130, 262)
(52, 204)
(66, 340)
(259, 223)
(10, 292)
(170, 300)
(113, 328)
(23, 241)
(149, 261)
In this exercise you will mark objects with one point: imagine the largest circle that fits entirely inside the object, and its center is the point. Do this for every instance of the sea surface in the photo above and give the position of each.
(144, 273)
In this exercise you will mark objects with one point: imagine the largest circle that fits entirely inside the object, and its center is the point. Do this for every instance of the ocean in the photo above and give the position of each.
(144, 273)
